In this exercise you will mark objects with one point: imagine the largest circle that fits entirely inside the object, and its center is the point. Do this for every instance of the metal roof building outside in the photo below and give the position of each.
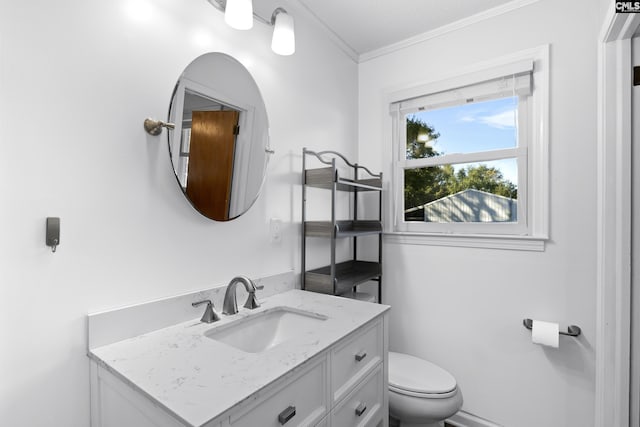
(468, 205)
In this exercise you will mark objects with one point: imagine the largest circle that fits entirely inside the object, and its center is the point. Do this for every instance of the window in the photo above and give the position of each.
(470, 153)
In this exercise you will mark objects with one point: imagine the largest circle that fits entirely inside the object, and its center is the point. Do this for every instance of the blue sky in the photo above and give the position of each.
(480, 126)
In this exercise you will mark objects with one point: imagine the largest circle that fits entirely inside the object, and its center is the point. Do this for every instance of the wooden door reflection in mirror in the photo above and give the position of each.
(212, 148)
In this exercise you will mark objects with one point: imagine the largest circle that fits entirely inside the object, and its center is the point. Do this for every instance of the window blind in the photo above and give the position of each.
(508, 80)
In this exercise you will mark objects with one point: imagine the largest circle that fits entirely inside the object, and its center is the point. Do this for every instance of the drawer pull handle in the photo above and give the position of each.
(360, 409)
(360, 356)
(287, 414)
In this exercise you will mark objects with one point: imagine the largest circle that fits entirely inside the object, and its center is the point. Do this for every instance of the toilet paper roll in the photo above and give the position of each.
(545, 333)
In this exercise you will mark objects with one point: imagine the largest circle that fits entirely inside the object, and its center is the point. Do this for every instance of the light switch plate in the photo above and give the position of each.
(275, 230)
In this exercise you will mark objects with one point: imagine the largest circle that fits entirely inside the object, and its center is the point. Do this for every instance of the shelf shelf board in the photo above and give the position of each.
(342, 228)
(348, 275)
(339, 174)
(324, 178)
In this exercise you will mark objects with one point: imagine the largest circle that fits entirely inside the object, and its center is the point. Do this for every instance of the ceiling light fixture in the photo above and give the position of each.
(239, 14)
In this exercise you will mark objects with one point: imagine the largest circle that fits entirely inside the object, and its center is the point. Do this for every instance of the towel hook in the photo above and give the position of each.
(52, 233)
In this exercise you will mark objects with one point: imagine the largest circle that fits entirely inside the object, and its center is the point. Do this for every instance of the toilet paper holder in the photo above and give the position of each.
(572, 330)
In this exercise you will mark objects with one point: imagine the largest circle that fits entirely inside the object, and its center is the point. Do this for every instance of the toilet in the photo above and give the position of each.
(421, 394)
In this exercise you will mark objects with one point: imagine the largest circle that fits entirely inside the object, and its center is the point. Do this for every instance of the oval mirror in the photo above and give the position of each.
(220, 145)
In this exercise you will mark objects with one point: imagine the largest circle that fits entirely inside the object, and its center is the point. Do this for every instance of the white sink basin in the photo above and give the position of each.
(261, 331)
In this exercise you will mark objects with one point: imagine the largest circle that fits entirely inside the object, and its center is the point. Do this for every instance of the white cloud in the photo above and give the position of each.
(504, 120)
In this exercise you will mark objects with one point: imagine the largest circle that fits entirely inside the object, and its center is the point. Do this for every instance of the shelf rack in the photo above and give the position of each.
(342, 277)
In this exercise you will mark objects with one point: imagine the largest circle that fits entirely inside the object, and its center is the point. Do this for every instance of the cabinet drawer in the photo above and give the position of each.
(302, 402)
(363, 407)
(354, 359)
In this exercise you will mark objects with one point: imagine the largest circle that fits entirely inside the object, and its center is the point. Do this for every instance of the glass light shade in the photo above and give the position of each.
(284, 39)
(238, 14)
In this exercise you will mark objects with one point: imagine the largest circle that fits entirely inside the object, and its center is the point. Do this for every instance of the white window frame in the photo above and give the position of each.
(531, 231)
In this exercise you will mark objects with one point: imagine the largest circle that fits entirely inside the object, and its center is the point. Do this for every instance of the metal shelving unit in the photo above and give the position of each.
(342, 277)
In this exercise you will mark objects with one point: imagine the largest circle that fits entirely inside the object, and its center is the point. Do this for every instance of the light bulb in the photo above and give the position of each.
(238, 14)
(284, 39)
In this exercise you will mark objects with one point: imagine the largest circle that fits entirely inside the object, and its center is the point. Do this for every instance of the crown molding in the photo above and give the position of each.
(333, 36)
(457, 25)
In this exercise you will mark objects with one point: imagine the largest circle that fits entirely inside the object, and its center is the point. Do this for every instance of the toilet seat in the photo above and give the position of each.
(423, 395)
(412, 376)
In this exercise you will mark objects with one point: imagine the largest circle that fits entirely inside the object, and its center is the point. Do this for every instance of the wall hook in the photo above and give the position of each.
(52, 236)
(154, 127)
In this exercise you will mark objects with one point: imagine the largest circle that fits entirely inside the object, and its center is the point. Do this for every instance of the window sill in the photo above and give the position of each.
(485, 241)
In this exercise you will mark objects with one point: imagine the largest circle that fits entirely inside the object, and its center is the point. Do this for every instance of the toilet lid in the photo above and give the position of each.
(412, 374)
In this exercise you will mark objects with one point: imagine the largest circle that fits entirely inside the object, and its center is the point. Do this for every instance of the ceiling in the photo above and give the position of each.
(368, 25)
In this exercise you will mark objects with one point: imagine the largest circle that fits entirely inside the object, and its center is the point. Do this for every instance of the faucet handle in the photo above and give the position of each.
(209, 315)
(252, 301)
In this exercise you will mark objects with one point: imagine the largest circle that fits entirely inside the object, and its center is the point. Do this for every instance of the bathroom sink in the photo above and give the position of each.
(261, 331)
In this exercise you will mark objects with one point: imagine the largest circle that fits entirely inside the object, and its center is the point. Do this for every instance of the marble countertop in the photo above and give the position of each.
(197, 379)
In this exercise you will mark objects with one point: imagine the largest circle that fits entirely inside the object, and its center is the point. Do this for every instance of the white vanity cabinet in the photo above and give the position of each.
(342, 384)
(354, 358)
(353, 370)
(302, 401)
(363, 407)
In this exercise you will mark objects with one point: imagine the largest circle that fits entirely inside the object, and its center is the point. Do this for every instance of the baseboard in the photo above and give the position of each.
(465, 419)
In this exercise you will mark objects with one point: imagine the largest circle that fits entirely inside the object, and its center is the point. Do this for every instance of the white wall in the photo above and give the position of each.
(76, 81)
(603, 8)
(462, 308)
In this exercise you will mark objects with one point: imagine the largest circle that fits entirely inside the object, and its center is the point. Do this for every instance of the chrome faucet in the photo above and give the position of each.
(209, 315)
(230, 305)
